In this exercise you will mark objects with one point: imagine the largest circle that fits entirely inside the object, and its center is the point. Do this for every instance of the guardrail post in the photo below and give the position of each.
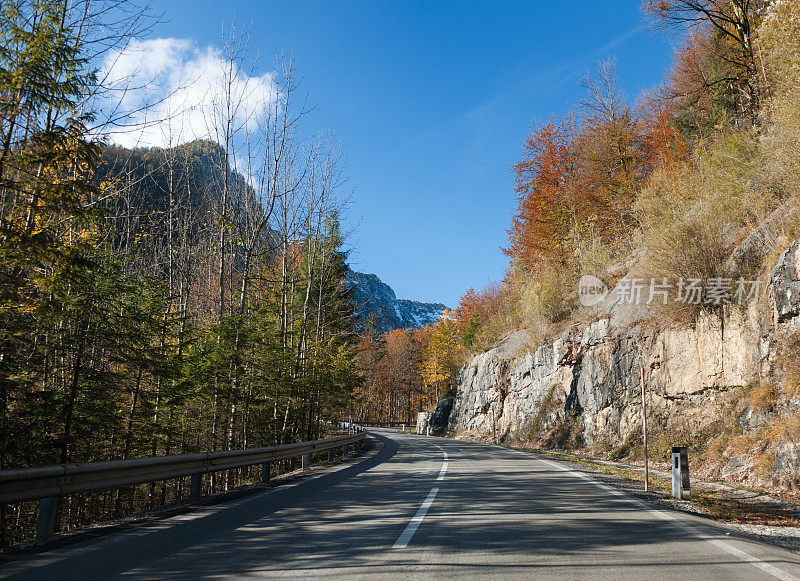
(46, 519)
(345, 450)
(196, 487)
(330, 454)
(265, 468)
(304, 462)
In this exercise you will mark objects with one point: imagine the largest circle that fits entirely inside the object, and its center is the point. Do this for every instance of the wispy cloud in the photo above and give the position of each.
(485, 125)
(548, 80)
(166, 91)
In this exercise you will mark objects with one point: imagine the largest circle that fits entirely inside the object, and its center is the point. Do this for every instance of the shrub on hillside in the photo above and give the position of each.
(545, 296)
(689, 251)
(781, 54)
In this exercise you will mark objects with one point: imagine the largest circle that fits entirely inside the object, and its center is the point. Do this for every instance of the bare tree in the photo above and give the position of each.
(733, 20)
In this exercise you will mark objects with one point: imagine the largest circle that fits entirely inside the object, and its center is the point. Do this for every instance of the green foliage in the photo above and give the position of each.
(141, 312)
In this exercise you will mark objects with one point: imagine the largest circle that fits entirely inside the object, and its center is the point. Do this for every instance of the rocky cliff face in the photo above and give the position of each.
(690, 374)
(376, 300)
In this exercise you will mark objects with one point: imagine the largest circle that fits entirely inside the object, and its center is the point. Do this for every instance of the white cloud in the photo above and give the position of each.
(169, 91)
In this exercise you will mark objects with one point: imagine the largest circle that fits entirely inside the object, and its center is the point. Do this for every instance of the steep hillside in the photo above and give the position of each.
(378, 305)
(710, 386)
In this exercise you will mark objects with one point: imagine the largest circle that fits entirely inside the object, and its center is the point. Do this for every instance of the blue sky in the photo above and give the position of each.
(431, 102)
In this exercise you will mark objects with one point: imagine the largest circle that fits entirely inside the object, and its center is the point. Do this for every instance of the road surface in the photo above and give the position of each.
(420, 507)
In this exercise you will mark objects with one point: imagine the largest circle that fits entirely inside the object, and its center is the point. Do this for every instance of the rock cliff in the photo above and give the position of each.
(691, 374)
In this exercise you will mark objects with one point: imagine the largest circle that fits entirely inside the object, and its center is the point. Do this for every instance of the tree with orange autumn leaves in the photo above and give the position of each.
(540, 226)
(405, 371)
(718, 63)
(577, 185)
(584, 172)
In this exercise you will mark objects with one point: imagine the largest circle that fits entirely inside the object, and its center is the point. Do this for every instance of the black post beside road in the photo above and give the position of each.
(196, 488)
(684, 468)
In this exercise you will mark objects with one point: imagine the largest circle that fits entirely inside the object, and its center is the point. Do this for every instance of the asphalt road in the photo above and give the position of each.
(425, 508)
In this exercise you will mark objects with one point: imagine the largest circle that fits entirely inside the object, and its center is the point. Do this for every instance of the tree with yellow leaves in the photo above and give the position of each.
(441, 358)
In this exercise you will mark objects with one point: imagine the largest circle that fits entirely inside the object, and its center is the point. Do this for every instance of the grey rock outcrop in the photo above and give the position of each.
(785, 284)
(681, 366)
(520, 388)
(787, 458)
(751, 418)
(423, 422)
(441, 416)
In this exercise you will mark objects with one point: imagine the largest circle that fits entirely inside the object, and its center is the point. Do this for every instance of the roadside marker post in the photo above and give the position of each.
(644, 434)
(46, 518)
(196, 485)
(676, 475)
(682, 452)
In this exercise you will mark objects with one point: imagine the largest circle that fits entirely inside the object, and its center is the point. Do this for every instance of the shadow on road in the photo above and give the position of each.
(519, 514)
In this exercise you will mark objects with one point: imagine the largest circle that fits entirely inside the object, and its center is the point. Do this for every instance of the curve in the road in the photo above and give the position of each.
(423, 507)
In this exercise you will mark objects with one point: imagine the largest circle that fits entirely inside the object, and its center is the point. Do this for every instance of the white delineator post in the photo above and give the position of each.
(683, 453)
(644, 435)
(676, 475)
(494, 426)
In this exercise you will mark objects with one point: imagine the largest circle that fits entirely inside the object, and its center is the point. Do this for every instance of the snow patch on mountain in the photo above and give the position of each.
(376, 301)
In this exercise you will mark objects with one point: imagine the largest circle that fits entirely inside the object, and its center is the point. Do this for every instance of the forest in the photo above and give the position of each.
(405, 371)
(160, 300)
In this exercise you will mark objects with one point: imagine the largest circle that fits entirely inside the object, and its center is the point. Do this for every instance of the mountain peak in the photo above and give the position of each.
(376, 300)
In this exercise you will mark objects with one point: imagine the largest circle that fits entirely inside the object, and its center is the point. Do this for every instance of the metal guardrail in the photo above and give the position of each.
(47, 483)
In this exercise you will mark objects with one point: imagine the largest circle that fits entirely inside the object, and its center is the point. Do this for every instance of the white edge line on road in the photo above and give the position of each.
(443, 471)
(727, 547)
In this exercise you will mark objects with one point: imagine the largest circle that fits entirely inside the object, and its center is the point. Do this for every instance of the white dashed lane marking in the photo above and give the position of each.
(404, 538)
